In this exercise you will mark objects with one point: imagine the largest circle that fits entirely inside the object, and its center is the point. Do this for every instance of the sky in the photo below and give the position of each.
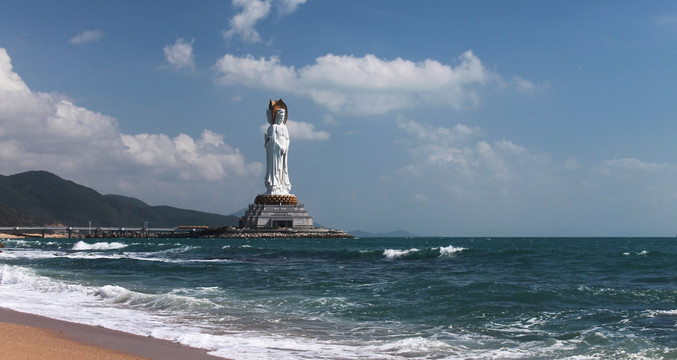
(442, 118)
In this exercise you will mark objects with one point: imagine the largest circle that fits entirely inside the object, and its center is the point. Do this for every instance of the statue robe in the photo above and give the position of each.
(277, 146)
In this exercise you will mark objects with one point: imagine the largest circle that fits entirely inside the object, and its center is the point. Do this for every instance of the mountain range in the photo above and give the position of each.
(391, 234)
(37, 198)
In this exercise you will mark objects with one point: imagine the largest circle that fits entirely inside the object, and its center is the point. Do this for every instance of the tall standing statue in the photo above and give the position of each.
(277, 148)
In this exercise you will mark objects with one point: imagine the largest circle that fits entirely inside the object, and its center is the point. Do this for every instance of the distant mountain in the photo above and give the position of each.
(37, 198)
(240, 213)
(397, 233)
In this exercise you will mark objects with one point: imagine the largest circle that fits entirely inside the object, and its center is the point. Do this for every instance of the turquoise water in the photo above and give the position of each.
(370, 298)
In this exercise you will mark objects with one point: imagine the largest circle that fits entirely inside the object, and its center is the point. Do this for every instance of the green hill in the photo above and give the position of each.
(37, 198)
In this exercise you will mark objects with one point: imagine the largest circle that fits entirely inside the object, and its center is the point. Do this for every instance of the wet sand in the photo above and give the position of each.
(27, 336)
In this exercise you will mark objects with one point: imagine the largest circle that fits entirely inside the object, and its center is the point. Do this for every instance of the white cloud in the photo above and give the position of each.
(306, 131)
(500, 187)
(457, 135)
(49, 132)
(478, 186)
(526, 86)
(328, 119)
(208, 158)
(289, 6)
(243, 24)
(364, 85)
(86, 36)
(10, 82)
(180, 55)
(457, 153)
(299, 130)
(635, 164)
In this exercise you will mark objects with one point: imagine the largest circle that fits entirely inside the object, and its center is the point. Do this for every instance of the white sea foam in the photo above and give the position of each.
(99, 246)
(119, 308)
(654, 313)
(414, 346)
(22, 243)
(394, 253)
(164, 256)
(160, 316)
(116, 307)
(450, 250)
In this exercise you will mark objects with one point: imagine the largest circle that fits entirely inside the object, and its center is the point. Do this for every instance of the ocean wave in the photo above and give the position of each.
(656, 313)
(19, 253)
(165, 256)
(99, 246)
(442, 251)
(28, 279)
(414, 347)
(10, 243)
(394, 254)
(450, 250)
(164, 302)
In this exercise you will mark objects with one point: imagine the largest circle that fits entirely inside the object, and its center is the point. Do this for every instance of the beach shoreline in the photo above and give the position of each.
(37, 337)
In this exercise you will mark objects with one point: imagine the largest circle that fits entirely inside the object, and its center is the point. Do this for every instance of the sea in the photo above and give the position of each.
(363, 298)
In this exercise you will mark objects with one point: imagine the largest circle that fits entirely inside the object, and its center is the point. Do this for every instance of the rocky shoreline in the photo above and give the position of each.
(221, 232)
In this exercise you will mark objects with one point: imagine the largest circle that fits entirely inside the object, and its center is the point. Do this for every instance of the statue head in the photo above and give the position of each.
(273, 107)
(280, 116)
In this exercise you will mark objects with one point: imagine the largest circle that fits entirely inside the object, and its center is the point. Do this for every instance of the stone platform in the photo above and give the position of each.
(315, 233)
(276, 216)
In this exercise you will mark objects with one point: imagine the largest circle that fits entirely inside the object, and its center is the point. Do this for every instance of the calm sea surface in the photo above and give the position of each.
(369, 298)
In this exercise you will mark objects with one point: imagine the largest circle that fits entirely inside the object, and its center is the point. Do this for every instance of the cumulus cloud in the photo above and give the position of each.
(459, 153)
(49, 132)
(243, 24)
(306, 131)
(180, 55)
(363, 85)
(86, 36)
(299, 130)
(461, 178)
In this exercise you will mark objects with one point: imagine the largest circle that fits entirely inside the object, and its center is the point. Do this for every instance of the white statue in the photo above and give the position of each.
(277, 148)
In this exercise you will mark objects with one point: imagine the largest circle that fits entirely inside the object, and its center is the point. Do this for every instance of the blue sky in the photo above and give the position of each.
(450, 118)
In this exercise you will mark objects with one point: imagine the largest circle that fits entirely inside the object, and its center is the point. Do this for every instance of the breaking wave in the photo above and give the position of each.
(99, 246)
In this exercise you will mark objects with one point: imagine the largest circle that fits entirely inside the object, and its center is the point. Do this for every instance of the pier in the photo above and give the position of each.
(102, 232)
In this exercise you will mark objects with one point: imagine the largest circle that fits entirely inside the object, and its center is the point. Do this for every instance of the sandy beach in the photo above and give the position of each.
(27, 336)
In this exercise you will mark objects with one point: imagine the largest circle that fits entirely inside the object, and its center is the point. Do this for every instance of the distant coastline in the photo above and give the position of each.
(391, 234)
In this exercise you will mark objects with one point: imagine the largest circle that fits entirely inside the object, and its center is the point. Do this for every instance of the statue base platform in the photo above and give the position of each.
(276, 200)
(276, 212)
